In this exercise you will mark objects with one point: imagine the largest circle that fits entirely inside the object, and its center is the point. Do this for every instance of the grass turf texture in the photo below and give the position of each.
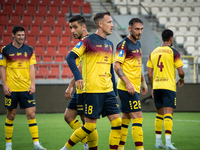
(54, 132)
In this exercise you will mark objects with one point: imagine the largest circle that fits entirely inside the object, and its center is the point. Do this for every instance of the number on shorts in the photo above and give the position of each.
(136, 104)
(89, 109)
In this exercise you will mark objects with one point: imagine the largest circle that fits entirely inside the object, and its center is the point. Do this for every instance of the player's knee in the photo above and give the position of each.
(90, 126)
(116, 122)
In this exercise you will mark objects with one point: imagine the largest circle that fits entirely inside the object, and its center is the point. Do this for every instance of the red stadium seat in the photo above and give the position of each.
(86, 9)
(50, 50)
(39, 50)
(62, 49)
(66, 72)
(4, 18)
(65, 39)
(31, 39)
(18, 8)
(7, 39)
(65, 9)
(37, 19)
(15, 18)
(30, 9)
(34, 29)
(42, 39)
(57, 29)
(49, 19)
(6, 8)
(45, 29)
(38, 58)
(47, 58)
(59, 58)
(54, 39)
(53, 9)
(76, 8)
(41, 9)
(54, 72)
(42, 72)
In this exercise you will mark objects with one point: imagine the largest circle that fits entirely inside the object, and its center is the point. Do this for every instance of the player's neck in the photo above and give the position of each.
(84, 34)
(17, 45)
(166, 43)
(132, 39)
(100, 33)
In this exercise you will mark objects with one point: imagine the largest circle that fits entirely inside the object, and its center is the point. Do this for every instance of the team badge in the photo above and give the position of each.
(79, 44)
(121, 53)
(1, 56)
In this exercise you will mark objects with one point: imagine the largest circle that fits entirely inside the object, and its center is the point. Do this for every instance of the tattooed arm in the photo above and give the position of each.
(121, 75)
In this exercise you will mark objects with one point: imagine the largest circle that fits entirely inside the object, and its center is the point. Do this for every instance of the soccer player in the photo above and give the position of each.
(128, 68)
(18, 80)
(162, 64)
(96, 82)
(75, 105)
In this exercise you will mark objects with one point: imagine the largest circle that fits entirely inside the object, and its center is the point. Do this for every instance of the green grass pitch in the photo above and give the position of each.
(54, 132)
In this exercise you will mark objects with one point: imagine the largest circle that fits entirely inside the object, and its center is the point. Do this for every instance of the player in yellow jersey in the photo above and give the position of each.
(162, 64)
(18, 80)
(128, 68)
(75, 105)
(96, 82)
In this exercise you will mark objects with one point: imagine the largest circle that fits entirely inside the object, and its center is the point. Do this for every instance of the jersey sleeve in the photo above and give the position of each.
(177, 59)
(3, 59)
(32, 59)
(80, 47)
(121, 51)
(149, 63)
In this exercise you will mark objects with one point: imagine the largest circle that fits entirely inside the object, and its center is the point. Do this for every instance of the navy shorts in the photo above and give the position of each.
(76, 103)
(129, 103)
(164, 98)
(23, 98)
(97, 104)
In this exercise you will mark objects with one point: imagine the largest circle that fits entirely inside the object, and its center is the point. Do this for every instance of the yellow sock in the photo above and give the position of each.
(115, 133)
(124, 133)
(8, 129)
(137, 133)
(92, 140)
(168, 124)
(158, 127)
(75, 124)
(80, 133)
(33, 128)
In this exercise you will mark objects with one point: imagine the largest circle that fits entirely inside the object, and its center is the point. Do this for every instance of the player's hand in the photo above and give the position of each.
(68, 93)
(6, 90)
(130, 89)
(180, 82)
(79, 84)
(152, 93)
(144, 91)
(31, 89)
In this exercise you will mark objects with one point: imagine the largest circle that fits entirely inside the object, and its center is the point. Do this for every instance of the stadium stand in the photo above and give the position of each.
(47, 30)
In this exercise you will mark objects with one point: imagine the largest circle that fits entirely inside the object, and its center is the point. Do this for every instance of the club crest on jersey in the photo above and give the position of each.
(79, 44)
(121, 53)
(1, 56)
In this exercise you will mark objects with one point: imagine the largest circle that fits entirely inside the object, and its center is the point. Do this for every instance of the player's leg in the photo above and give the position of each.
(126, 119)
(137, 131)
(9, 127)
(91, 115)
(169, 99)
(11, 103)
(79, 134)
(27, 102)
(115, 131)
(111, 110)
(158, 127)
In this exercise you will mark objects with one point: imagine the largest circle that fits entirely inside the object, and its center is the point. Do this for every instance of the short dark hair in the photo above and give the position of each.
(17, 28)
(99, 16)
(167, 34)
(80, 19)
(134, 20)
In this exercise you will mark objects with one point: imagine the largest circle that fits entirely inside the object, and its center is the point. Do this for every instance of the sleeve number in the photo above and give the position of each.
(160, 64)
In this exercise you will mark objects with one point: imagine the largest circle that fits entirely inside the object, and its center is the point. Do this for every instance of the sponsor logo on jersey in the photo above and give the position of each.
(121, 53)
(11, 54)
(25, 54)
(1, 56)
(18, 54)
(79, 44)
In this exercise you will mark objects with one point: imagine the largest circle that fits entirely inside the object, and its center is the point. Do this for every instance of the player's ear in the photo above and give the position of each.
(13, 35)
(129, 28)
(84, 27)
(100, 23)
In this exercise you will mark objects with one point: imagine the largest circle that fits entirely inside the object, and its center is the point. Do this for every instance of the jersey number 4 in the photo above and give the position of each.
(160, 64)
